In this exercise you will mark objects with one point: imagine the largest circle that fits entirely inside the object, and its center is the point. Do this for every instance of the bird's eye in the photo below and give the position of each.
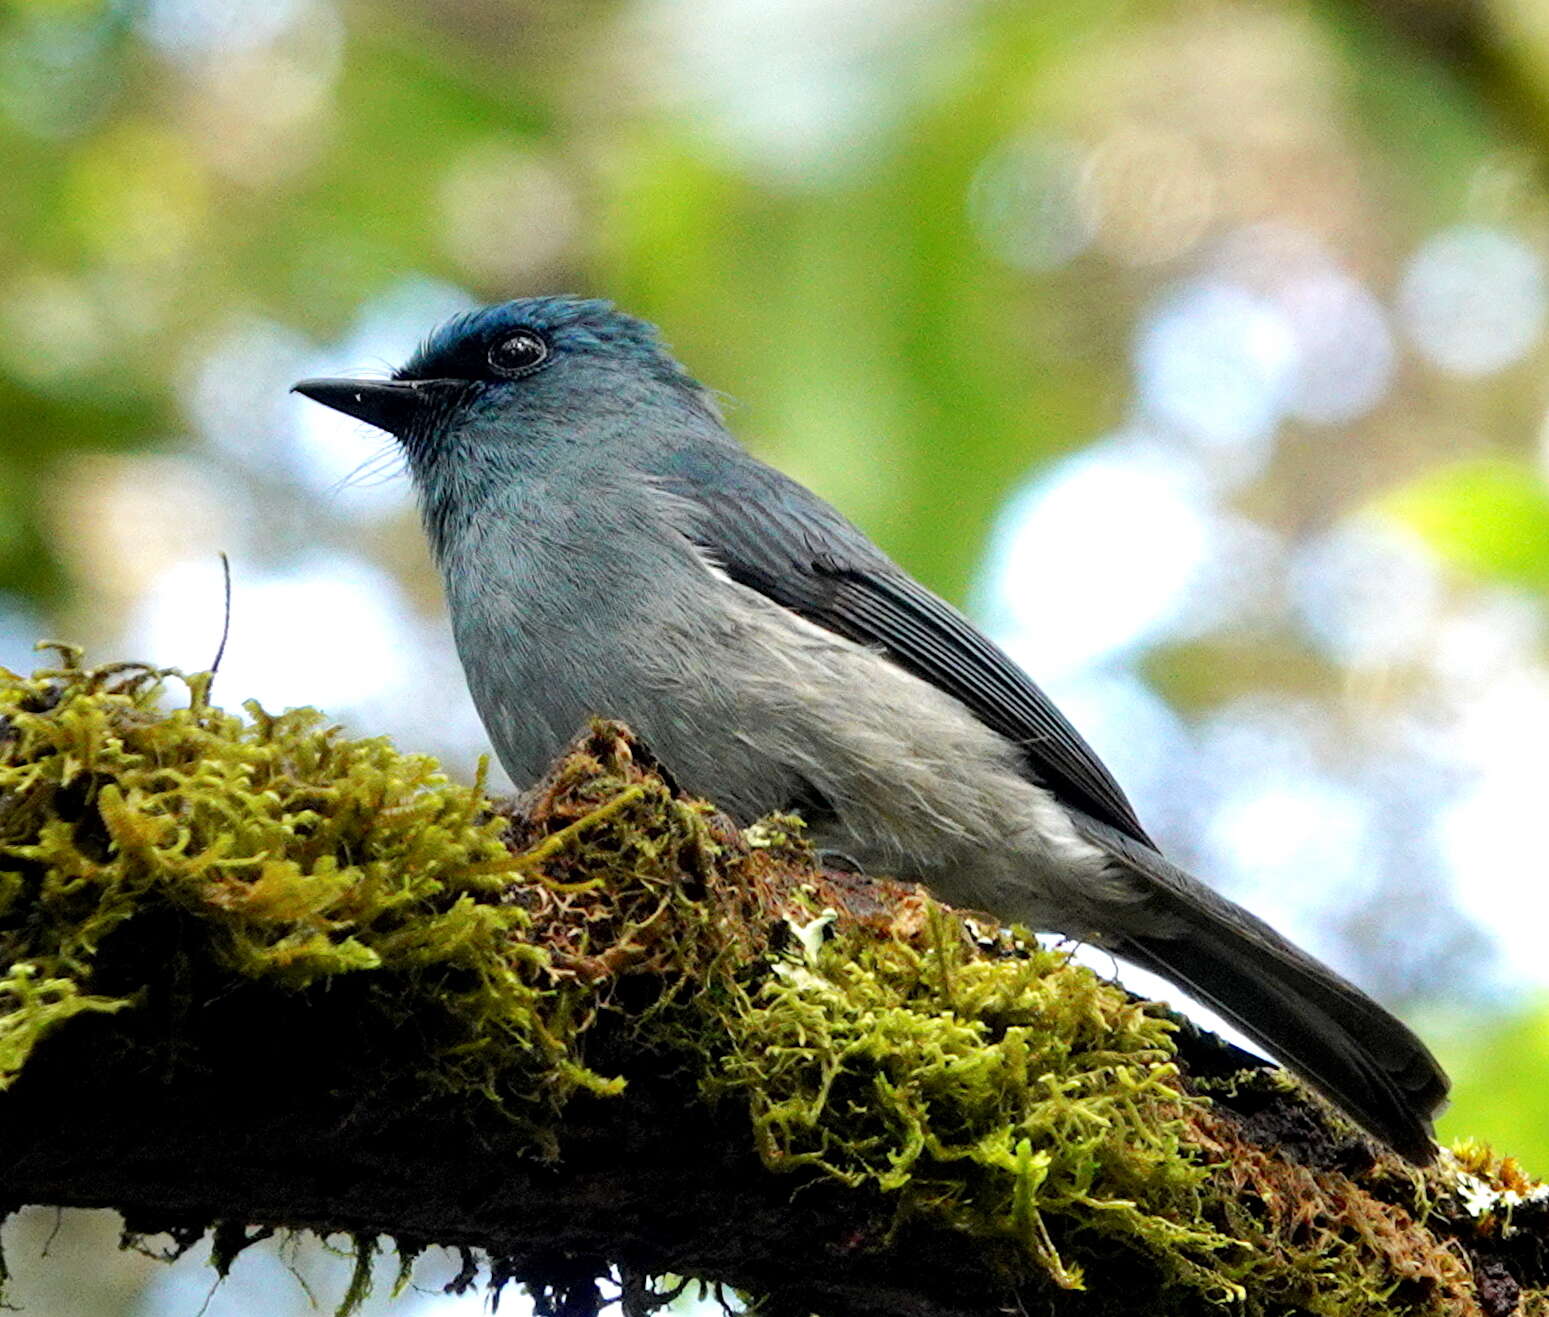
(517, 354)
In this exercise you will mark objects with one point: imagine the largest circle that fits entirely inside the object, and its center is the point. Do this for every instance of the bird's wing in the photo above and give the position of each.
(772, 535)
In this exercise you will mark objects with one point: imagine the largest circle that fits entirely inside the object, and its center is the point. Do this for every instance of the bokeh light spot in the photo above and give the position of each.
(330, 631)
(508, 214)
(1297, 847)
(196, 28)
(1148, 194)
(1367, 592)
(109, 515)
(798, 91)
(1023, 203)
(1096, 555)
(1473, 299)
(51, 327)
(1480, 838)
(1218, 364)
(1345, 353)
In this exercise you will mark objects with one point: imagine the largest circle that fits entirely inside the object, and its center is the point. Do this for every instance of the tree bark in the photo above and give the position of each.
(728, 1064)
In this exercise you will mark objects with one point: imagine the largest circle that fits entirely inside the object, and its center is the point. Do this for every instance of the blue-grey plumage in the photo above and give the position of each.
(609, 549)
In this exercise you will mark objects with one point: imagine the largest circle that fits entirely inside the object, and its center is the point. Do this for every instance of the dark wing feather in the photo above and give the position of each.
(769, 533)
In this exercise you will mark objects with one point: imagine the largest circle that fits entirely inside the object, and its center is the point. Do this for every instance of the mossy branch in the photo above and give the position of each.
(255, 975)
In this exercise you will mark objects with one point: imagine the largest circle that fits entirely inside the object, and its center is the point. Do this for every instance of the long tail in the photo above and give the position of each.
(1361, 1057)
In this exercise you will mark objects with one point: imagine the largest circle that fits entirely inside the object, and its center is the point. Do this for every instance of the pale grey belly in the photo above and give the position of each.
(758, 711)
(678, 687)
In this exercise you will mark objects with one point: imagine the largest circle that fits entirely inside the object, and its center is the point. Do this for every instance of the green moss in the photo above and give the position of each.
(302, 855)
(32, 1006)
(1004, 1092)
(994, 1094)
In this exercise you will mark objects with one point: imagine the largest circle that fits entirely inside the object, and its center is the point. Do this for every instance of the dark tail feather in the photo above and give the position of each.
(1361, 1057)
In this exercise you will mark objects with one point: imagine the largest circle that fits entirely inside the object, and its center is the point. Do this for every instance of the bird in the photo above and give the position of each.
(609, 549)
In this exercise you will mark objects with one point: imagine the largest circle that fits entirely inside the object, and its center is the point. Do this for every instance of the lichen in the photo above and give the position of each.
(998, 1090)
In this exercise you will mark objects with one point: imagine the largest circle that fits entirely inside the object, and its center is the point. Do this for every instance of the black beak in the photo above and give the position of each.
(397, 406)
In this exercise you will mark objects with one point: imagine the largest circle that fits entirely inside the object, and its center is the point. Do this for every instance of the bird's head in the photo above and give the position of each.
(510, 379)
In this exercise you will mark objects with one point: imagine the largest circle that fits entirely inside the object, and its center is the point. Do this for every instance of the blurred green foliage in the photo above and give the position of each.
(859, 323)
(1486, 515)
(890, 368)
(161, 186)
(1501, 1087)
